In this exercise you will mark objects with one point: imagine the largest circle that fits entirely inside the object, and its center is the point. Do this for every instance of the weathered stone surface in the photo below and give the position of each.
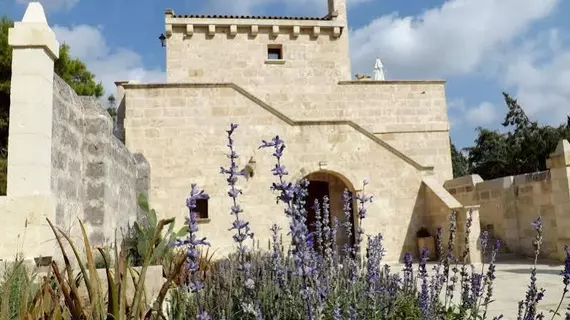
(510, 204)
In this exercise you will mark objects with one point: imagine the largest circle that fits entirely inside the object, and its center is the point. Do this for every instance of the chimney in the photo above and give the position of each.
(337, 10)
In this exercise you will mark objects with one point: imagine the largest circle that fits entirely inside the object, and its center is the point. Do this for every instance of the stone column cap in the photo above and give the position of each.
(34, 32)
(560, 158)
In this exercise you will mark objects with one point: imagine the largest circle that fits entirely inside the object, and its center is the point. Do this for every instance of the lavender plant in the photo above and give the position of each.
(192, 244)
(314, 279)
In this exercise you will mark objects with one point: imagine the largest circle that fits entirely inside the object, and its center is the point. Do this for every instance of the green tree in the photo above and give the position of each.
(524, 148)
(71, 70)
(75, 73)
(489, 157)
(112, 108)
(459, 162)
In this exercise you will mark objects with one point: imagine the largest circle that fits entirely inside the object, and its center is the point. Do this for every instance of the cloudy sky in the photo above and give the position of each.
(481, 47)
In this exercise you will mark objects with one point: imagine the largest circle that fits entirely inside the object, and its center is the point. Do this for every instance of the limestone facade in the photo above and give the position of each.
(290, 77)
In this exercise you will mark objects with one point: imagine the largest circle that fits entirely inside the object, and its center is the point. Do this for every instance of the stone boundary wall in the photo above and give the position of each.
(509, 205)
(64, 162)
(95, 177)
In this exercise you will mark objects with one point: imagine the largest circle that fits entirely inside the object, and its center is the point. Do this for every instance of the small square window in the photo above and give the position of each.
(202, 209)
(275, 52)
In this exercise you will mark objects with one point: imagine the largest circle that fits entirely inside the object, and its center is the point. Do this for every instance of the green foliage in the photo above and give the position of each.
(72, 70)
(114, 303)
(523, 149)
(112, 109)
(139, 237)
(16, 290)
(75, 73)
(459, 162)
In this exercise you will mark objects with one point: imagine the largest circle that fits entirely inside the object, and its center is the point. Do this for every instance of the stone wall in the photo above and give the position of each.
(64, 162)
(94, 175)
(509, 205)
(180, 128)
(312, 81)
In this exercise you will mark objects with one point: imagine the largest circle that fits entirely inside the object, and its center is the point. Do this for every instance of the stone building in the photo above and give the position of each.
(286, 76)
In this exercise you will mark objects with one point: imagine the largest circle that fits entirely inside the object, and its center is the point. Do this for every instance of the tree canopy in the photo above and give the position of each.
(71, 70)
(523, 148)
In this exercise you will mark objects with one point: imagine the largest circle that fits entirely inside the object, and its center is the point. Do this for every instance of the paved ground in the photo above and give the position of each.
(511, 284)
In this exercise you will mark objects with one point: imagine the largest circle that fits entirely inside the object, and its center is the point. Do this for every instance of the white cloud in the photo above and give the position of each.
(88, 44)
(53, 5)
(540, 72)
(475, 38)
(483, 114)
(457, 38)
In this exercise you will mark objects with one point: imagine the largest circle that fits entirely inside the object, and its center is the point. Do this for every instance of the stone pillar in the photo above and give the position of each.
(475, 253)
(143, 180)
(119, 126)
(559, 165)
(29, 199)
(31, 108)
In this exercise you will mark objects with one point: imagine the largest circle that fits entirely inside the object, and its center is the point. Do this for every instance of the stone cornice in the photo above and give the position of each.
(252, 25)
(388, 82)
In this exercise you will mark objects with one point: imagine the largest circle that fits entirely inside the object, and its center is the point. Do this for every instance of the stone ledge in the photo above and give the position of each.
(278, 62)
(388, 82)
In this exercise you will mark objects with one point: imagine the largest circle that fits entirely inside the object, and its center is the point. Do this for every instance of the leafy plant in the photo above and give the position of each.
(140, 236)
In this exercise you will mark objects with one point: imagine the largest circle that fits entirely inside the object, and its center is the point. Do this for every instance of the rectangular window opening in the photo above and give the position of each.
(202, 209)
(274, 52)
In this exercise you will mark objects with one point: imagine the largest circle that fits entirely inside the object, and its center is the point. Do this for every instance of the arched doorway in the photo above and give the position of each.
(331, 184)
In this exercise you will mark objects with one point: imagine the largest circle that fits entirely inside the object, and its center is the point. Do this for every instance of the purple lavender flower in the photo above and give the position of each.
(327, 233)
(277, 259)
(336, 315)
(566, 281)
(362, 199)
(409, 285)
(450, 281)
(374, 254)
(533, 295)
(438, 279)
(424, 292)
(484, 240)
(203, 315)
(490, 277)
(192, 242)
(293, 196)
(465, 298)
(239, 225)
(318, 224)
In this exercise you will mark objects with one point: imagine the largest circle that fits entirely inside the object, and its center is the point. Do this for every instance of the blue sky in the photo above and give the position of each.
(481, 47)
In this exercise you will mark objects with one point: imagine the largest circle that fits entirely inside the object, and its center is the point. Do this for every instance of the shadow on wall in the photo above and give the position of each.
(410, 244)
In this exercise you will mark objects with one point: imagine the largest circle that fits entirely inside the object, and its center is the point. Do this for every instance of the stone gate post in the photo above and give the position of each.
(29, 197)
(559, 165)
(31, 108)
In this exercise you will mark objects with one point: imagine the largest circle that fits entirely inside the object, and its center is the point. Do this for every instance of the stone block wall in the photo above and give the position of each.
(64, 162)
(509, 205)
(95, 177)
(180, 128)
(312, 81)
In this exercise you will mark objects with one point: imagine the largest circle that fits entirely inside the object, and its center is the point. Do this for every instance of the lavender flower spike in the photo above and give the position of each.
(240, 226)
(191, 241)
